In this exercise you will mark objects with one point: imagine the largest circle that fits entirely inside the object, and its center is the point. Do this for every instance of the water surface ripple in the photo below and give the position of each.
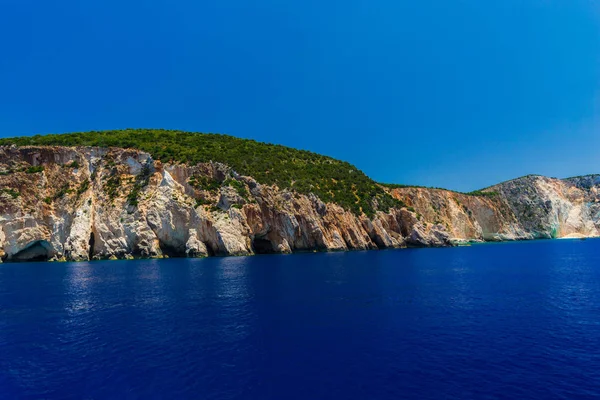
(502, 321)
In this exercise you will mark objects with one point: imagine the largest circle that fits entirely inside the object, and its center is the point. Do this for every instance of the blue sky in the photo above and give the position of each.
(460, 94)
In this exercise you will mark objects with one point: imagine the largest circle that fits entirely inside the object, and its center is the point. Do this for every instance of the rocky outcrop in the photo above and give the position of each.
(465, 217)
(61, 203)
(531, 207)
(66, 203)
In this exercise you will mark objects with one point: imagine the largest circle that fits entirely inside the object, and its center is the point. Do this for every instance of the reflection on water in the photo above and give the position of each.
(232, 297)
(78, 284)
(459, 273)
(516, 320)
(149, 285)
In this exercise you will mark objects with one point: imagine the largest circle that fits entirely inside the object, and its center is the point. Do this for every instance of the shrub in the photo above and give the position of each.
(34, 170)
(11, 192)
(141, 181)
(202, 202)
(66, 189)
(83, 187)
(73, 164)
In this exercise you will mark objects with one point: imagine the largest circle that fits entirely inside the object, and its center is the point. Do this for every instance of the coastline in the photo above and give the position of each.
(80, 203)
(465, 243)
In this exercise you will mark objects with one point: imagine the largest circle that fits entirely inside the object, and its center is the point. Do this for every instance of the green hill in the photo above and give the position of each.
(303, 171)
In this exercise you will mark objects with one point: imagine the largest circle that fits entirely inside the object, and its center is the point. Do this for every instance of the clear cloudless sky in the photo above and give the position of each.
(454, 93)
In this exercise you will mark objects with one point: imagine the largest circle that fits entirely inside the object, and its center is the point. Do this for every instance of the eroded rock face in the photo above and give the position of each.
(113, 203)
(61, 203)
(531, 207)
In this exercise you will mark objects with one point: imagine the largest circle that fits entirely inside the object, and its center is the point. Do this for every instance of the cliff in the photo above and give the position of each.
(531, 207)
(80, 203)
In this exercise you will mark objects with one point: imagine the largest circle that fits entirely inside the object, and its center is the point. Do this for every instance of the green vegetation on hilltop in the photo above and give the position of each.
(480, 193)
(403, 186)
(303, 171)
(581, 176)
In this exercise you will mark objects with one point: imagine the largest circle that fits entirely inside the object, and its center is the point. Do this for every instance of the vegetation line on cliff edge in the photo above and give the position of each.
(300, 170)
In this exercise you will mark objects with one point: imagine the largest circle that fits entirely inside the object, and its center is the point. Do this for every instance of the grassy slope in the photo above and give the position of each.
(303, 171)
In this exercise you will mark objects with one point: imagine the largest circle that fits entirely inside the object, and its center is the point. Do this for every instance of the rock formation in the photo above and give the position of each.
(81, 203)
(531, 207)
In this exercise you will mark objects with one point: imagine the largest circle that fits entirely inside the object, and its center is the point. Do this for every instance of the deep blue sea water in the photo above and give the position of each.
(503, 321)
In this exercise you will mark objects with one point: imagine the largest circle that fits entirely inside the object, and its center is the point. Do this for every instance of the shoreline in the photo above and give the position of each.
(468, 243)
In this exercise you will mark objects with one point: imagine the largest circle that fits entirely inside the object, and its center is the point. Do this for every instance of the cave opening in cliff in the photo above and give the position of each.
(91, 243)
(39, 250)
(209, 250)
(171, 251)
(262, 245)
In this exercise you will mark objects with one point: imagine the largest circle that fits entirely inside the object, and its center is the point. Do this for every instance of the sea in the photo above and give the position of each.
(511, 321)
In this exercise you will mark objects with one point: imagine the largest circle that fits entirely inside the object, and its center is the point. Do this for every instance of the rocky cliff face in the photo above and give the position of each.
(85, 203)
(531, 207)
(93, 203)
(465, 217)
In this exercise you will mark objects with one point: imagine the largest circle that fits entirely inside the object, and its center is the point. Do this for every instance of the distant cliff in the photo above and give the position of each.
(85, 202)
(531, 207)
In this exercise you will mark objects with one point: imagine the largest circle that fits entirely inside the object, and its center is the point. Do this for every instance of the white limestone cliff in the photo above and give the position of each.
(115, 203)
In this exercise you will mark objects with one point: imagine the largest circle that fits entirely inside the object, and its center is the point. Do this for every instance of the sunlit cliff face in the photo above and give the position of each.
(531, 207)
(82, 203)
(61, 203)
